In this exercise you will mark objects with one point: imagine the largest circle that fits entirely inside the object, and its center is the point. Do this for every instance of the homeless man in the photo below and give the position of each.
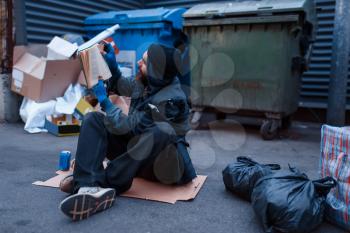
(149, 142)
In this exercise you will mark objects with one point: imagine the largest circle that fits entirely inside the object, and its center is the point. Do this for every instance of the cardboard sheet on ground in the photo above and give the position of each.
(148, 190)
(143, 189)
(53, 182)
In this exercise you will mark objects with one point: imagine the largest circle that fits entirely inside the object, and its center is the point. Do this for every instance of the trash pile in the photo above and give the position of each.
(52, 80)
(283, 201)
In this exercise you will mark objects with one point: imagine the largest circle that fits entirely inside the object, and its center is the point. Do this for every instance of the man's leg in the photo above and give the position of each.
(91, 152)
(141, 151)
(116, 145)
(89, 174)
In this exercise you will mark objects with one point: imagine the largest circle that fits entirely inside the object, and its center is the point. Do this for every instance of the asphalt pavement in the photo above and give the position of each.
(26, 208)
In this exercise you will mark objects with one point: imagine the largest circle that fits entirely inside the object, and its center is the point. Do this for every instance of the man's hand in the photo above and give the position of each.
(109, 57)
(111, 61)
(100, 91)
(120, 102)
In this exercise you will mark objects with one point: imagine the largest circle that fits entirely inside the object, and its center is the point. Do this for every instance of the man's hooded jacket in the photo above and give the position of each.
(158, 98)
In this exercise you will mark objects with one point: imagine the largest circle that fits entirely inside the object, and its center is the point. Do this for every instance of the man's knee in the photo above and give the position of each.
(163, 130)
(93, 117)
(151, 141)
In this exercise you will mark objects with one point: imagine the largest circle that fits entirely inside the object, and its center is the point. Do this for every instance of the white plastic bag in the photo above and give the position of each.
(33, 114)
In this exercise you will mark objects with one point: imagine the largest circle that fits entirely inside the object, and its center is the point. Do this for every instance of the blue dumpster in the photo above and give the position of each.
(138, 28)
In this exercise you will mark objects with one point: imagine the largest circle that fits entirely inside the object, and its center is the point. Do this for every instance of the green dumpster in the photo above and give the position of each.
(248, 57)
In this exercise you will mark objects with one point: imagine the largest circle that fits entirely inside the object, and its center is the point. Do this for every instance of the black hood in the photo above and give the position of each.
(162, 66)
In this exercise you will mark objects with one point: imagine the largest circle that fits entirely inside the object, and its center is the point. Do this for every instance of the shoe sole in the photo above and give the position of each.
(82, 206)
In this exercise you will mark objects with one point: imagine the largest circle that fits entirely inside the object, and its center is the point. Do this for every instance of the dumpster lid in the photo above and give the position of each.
(160, 14)
(222, 9)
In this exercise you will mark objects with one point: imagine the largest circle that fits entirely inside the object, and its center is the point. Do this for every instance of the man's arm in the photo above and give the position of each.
(117, 83)
(120, 85)
(118, 123)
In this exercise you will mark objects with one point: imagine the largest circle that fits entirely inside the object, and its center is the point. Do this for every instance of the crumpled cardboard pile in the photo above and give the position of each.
(52, 81)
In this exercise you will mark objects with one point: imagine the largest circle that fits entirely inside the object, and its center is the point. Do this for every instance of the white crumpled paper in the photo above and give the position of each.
(33, 114)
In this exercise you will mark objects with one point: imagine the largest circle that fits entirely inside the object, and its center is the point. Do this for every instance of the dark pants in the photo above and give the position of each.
(151, 155)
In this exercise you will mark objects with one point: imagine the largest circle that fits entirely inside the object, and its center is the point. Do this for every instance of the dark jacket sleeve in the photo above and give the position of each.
(120, 85)
(175, 112)
(136, 123)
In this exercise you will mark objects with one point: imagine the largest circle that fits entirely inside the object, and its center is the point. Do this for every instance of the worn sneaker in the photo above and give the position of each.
(88, 201)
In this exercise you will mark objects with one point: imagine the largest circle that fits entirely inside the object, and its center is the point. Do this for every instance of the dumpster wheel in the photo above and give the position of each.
(269, 129)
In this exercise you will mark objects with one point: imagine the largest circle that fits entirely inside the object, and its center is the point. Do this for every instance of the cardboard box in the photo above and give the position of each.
(83, 107)
(65, 125)
(40, 79)
(60, 49)
(81, 79)
(94, 66)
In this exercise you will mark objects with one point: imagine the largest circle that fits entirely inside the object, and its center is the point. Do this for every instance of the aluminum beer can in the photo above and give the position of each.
(64, 162)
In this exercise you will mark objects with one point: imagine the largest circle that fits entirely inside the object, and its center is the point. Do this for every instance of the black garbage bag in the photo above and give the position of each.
(289, 202)
(240, 177)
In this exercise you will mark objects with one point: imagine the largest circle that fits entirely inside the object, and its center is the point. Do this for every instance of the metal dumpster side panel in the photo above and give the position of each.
(261, 56)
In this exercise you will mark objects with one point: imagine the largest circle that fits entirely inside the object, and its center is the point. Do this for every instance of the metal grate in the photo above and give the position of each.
(177, 3)
(47, 18)
(315, 82)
